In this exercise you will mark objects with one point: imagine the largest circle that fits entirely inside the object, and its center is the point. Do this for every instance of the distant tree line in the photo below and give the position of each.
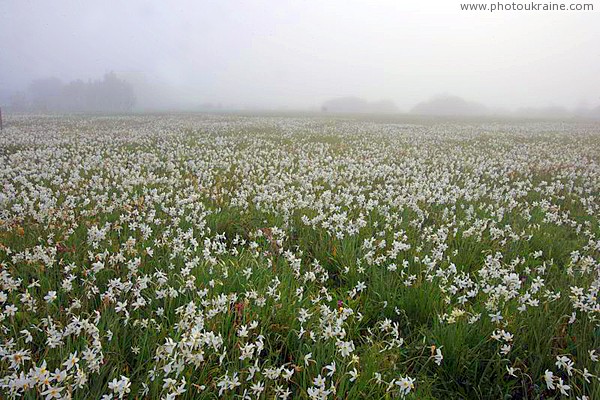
(110, 94)
(359, 106)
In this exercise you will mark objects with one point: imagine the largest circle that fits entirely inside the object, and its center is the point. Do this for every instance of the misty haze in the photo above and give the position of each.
(300, 55)
(299, 200)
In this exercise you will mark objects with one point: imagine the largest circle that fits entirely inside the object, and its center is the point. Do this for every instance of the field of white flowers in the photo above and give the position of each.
(192, 256)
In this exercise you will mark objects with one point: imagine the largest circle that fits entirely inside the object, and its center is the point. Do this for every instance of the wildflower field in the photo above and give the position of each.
(245, 257)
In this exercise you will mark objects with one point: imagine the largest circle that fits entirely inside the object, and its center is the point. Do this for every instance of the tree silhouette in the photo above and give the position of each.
(111, 94)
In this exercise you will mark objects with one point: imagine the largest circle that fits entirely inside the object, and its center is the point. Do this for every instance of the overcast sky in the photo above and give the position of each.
(283, 53)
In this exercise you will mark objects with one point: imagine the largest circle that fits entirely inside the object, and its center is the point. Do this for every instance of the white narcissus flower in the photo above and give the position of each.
(120, 387)
(52, 392)
(331, 369)
(549, 378)
(438, 357)
(564, 388)
(71, 361)
(345, 348)
(406, 384)
(307, 359)
(50, 296)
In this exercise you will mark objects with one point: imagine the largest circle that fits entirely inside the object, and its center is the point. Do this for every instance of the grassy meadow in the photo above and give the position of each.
(308, 257)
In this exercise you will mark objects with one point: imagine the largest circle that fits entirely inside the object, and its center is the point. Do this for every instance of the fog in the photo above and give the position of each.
(299, 55)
